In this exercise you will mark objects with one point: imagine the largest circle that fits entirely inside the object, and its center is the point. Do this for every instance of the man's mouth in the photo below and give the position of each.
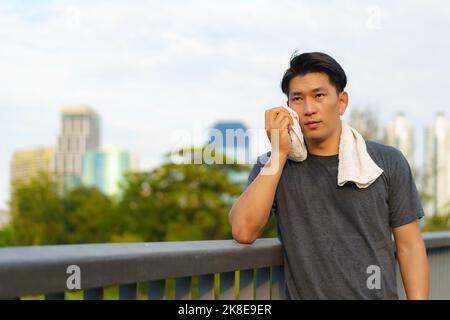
(313, 124)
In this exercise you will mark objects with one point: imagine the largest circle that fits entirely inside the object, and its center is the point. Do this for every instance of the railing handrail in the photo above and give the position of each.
(41, 269)
(436, 240)
(35, 270)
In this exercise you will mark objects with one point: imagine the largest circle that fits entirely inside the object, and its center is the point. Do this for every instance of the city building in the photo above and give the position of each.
(437, 162)
(79, 131)
(231, 138)
(26, 164)
(399, 134)
(105, 168)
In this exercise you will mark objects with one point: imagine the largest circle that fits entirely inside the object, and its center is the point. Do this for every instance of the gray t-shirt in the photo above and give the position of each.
(334, 236)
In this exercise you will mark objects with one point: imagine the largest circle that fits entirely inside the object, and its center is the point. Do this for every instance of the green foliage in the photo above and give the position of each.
(177, 202)
(366, 122)
(37, 212)
(439, 222)
(270, 231)
(173, 202)
(6, 237)
(88, 216)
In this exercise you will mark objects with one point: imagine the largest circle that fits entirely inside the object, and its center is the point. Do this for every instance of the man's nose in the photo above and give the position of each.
(308, 108)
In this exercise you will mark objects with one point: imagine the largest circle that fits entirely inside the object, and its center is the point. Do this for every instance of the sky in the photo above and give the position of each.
(153, 68)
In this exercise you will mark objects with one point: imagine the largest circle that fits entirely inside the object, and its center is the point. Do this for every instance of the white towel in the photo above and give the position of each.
(355, 163)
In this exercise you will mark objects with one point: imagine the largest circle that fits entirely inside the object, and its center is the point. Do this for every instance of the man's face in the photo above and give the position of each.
(315, 99)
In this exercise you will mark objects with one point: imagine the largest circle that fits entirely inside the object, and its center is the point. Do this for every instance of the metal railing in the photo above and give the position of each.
(223, 269)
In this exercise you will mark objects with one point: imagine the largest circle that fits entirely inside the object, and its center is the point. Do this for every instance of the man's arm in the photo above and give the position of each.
(250, 213)
(412, 259)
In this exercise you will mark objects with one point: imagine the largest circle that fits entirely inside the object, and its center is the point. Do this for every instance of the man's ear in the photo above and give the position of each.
(343, 102)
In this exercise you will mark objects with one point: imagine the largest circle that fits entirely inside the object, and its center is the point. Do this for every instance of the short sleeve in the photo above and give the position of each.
(256, 169)
(404, 201)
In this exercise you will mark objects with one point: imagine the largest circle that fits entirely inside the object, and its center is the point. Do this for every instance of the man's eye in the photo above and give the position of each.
(319, 95)
(296, 98)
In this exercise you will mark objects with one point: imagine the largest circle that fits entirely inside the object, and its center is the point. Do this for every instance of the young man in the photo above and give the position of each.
(337, 240)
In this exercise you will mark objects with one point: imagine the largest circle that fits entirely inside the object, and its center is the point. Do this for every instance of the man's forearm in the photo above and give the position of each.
(413, 264)
(251, 211)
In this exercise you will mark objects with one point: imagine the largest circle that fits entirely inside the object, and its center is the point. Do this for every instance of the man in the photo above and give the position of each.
(337, 240)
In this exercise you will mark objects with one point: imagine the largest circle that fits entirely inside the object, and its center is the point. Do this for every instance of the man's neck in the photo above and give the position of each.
(328, 147)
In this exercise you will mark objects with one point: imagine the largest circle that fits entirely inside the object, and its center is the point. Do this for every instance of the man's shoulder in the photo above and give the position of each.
(386, 157)
(383, 151)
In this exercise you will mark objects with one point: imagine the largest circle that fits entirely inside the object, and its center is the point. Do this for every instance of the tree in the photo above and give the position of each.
(180, 201)
(437, 223)
(366, 123)
(37, 212)
(41, 216)
(88, 216)
(171, 202)
(6, 237)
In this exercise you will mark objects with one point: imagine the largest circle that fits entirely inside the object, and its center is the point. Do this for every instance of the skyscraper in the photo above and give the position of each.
(437, 162)
(80, 131)
(105, 168)
(26, 164)
(231, 138)
(399, 134)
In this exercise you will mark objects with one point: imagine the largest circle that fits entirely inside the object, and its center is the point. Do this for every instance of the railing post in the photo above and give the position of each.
(246, 284)
(263, 283)
(227, 286)
(183, 288)
(156, 289)
(93, 294)
(206, 287)
(278, 284)
(127, 291)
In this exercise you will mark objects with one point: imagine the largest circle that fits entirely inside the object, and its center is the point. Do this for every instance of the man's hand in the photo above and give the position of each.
(279, 122)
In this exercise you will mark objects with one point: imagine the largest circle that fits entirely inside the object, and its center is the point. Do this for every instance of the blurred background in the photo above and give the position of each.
(96, 97)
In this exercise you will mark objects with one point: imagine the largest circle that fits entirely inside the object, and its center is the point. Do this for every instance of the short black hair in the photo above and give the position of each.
(314, 62)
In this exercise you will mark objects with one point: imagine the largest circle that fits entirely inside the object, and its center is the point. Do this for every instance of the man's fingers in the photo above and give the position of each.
(281, 117)
(282, 113)
(271, 114)
(284, 124)
(278, 118)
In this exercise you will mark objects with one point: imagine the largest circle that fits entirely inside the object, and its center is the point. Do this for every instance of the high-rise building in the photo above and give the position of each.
(437, 162)
(105, 168)
(79, 131)
(26, 164)
(399, 134)
(231, 138)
